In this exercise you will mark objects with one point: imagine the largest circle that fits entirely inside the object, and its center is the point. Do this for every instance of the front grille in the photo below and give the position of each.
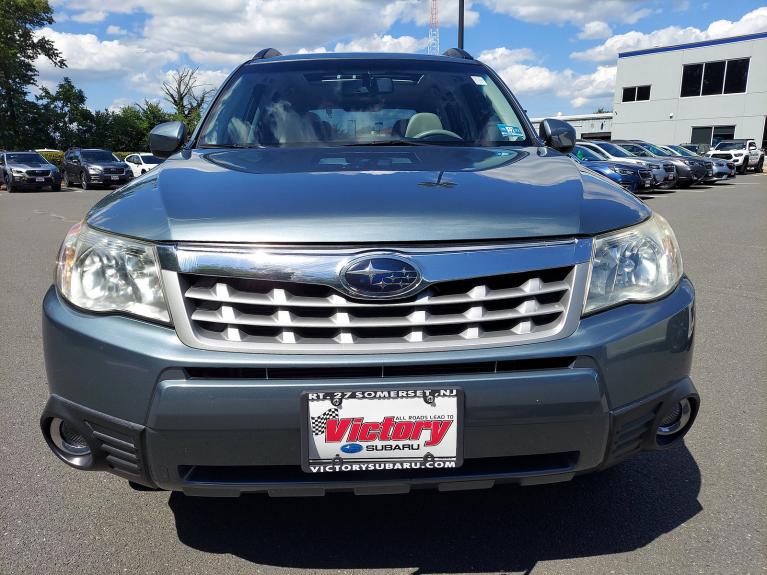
(39, 173)
(722, 156)
(731, 165)
(119, 450)
(114, 171)
(645, 174)
(254, 313)
(668, 168)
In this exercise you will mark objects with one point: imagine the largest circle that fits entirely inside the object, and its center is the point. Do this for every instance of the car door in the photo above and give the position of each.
(753, 154)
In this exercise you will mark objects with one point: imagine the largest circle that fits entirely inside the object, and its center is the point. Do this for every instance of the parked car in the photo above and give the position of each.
(699, 149)
(142, 163)
(21, 171)
(664, 174)
(343, 282)
(94, 167)
(688, 171)
(720, 169)
(743, 153)
(629, 176)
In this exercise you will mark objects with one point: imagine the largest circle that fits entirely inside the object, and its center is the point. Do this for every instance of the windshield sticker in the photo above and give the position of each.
(479, 80)
(511, 132)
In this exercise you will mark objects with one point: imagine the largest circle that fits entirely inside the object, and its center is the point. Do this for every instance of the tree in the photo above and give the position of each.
(184, 91)
(70, 122)
(20, 45)
(602, 110)
(152, 114)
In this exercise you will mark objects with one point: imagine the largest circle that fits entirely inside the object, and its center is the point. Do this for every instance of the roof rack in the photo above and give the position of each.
(458, 53)
(267, 53)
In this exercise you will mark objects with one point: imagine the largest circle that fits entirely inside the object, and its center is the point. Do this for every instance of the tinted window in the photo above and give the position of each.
(737, 145)
(681, 151)
(692, 74)
(636, 150)
(23, 158)
(737, 76)
(643, 93)
(655, 150)
(629, 94)
(98, 156)
(723, 133)
(586, 154)
(713, 78)
(148, 159)
(337, 102)
(614, 150)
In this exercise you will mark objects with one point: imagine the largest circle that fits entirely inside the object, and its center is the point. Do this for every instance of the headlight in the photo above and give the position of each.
(18, 171)
(94, 170)
(738, 154)
(639, 264)
(688, 162)
(655, 166)
(105, 273)
(623, 171)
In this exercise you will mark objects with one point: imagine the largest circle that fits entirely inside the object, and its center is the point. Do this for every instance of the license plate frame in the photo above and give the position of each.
(330, 467)
(39, 179)
(115, 177)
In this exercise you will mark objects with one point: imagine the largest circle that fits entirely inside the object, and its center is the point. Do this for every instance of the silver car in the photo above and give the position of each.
(664, 173)
(720, 169)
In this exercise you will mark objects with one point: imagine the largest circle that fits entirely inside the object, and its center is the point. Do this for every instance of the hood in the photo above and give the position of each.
(366, 195)
(106, 164)
(608, 164)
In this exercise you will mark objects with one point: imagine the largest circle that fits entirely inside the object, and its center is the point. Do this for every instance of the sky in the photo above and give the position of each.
(558, 56)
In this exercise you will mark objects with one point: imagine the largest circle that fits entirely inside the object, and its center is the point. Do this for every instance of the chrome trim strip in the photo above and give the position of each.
(322, 266)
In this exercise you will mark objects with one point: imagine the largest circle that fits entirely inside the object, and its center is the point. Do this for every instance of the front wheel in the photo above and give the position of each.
(744, 166)
(9, 184)
(759, 165)
(84, 181)
(65, 180)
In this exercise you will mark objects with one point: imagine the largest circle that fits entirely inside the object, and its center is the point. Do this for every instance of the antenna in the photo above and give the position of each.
(433, 46)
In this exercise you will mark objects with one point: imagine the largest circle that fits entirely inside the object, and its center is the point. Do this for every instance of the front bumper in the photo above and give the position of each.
(160, 413)
(34, 182)
(109, 179)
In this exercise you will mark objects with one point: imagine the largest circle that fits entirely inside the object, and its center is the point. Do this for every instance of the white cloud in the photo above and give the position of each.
(595, 30)
(525, 76)
(90, 16)
(386, 43)
(116, 31)
(754, 21)
(569, 11)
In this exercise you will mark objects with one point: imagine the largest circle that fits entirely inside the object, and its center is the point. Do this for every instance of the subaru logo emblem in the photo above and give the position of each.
(380, 276)
(351, 448)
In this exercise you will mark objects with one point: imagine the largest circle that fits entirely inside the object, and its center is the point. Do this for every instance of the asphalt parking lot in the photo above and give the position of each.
(698, 508)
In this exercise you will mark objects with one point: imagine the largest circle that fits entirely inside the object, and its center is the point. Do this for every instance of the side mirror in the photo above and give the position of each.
(557, 134)
(166, 139)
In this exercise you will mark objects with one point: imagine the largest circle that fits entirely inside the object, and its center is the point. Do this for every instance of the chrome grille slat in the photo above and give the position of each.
(417, 318)
(223, 293)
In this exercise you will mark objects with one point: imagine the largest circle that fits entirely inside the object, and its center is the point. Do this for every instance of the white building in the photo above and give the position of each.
(587, 126)
(701, 92)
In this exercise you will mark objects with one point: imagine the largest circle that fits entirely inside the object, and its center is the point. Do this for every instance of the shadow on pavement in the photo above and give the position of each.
(508, 528)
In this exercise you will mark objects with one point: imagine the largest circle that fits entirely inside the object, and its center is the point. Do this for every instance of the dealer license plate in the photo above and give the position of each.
(39, 179)
(382, 430)
(115, 177)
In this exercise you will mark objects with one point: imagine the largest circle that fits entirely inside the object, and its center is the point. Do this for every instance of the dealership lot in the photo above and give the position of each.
(699, 508)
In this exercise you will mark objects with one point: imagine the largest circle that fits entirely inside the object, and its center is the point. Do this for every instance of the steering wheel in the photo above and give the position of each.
(429, 135)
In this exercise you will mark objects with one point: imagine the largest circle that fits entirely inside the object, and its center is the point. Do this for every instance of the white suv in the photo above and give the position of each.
(142, 163)
(743, 153)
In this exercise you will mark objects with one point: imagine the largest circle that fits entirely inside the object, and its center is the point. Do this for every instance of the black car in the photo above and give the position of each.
(94, 167)
(28, 171)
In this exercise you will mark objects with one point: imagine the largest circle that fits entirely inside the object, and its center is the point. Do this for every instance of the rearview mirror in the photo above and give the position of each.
(557, 134)
(166, 139)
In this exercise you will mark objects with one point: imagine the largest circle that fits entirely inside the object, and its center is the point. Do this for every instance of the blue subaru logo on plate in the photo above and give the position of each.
(380, 276)
(351, 448)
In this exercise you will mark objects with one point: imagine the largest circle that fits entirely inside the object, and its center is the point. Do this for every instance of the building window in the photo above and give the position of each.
(737, 75)
(712, 135)
(636, 93)
(714, 78)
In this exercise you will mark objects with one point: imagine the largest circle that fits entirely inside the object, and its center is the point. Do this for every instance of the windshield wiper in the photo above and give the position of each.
(387, 143)
(231, 146)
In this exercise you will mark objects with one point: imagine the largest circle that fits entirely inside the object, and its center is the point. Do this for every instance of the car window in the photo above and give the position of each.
(98, 156)
(682, 151)
(25, 157)
(636, 150)
(614, 150)
(342, 102)
(655, 149)
(151, 160)
(586, 154)
(735, 145)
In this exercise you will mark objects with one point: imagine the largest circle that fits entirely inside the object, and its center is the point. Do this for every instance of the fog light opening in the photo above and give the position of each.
(69, 444)
(675, 423)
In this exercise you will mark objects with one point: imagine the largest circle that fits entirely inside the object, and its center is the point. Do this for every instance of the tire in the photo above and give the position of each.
(759, 166)
(56, 187)
(84, 181)
(9, 185)
(65, 179)
(744, 167)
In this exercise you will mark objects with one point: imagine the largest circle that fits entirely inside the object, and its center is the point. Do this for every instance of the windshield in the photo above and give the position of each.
(326, 103)
(731, 145)
(656, 150)
(636, 150)
(98, 156)
(614, 150)
(25, 158)
(585, 154)
(682, 151)
(150, 159)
